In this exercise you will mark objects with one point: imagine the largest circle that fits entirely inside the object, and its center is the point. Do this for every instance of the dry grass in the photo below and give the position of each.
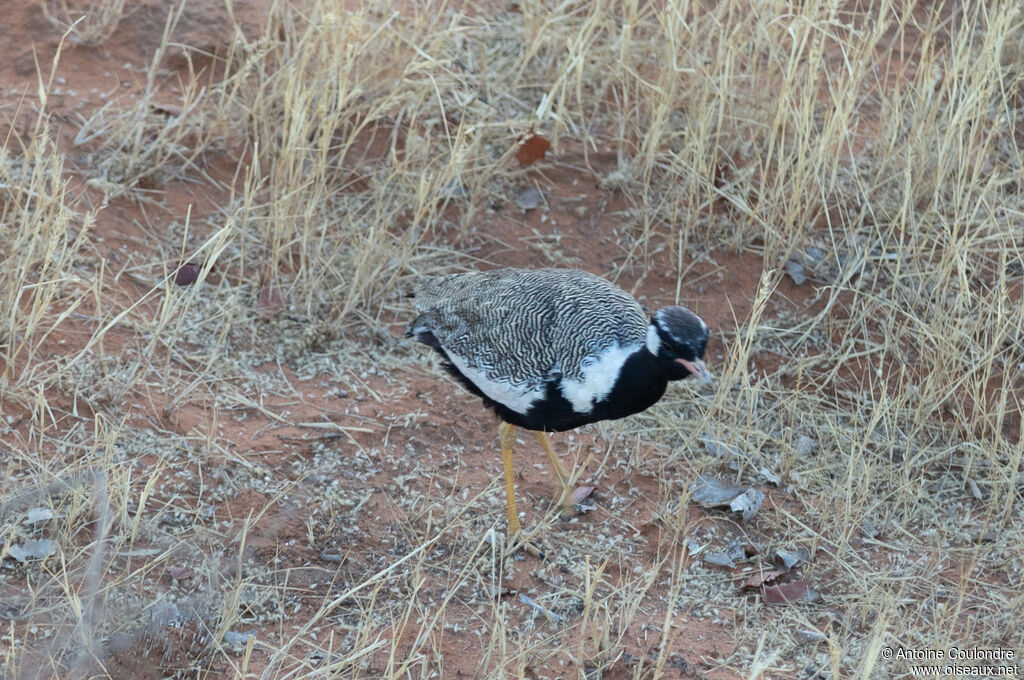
(366, 146)
(88, 23)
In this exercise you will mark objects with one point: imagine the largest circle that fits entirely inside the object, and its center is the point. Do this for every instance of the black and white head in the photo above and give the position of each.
(678, 337)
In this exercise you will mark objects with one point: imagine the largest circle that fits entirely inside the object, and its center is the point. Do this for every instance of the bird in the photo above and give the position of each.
(550, 350)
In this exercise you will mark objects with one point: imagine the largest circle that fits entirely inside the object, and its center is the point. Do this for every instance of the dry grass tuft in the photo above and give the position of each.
(90, 24)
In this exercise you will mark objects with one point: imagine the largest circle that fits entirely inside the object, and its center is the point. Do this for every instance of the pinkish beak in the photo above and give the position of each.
(697, 368)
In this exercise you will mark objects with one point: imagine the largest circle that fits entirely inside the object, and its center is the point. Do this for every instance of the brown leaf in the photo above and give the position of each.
(187, 274)
(790, 593)
(532, 149)
(581, 493)
(761, 577)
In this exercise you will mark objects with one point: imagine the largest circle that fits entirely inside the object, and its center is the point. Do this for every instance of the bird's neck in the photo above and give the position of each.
(641, 383)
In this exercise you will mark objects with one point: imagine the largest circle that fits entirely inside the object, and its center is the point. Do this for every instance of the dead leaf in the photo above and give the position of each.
(528, 198)
(38, 549)
(761, 577)
(187, 274)
(37, 515)
(694, 548)
(804, 264)
(769, 476)
(796, 272)
(712, 492)
(238, 639)
(728, 557)
(719, 449)
(532, 149)
(581, 494)
(790, 593)
(720, 558)
(787, 559)
(748, 503)
(813, 256)
(805, 445)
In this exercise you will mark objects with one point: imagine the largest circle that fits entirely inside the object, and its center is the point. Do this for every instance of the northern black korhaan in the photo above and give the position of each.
(552, 349)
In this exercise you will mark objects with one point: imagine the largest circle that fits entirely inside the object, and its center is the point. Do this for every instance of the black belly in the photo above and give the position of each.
(641, 384)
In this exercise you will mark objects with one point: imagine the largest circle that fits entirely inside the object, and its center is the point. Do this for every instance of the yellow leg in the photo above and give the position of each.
(565, 493)
(507, 439)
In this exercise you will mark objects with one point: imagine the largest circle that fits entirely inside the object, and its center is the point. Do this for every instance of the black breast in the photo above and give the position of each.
(641, 384)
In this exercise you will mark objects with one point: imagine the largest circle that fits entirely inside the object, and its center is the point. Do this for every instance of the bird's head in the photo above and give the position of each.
(677, 337)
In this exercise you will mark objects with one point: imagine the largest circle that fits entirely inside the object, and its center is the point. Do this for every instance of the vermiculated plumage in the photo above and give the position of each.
(553, 349)
(523, 325)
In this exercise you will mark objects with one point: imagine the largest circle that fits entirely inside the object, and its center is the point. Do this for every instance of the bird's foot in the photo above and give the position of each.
(513, 542)
(518, 541)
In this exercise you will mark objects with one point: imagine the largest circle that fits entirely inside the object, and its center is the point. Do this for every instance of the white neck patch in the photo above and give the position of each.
(653, 340)
(599, 376)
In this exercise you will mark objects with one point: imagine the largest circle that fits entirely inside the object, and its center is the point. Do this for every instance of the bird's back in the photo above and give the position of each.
(526, 326)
